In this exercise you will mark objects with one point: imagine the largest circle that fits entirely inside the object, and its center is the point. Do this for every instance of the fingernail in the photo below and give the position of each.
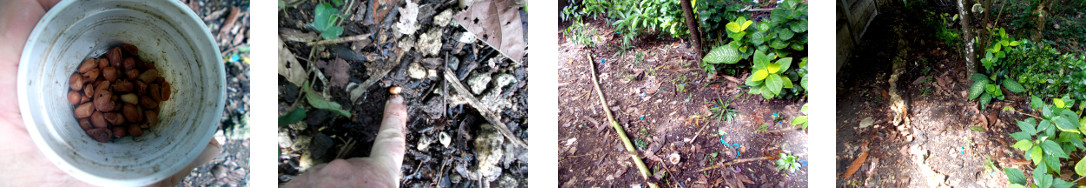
(395, 99)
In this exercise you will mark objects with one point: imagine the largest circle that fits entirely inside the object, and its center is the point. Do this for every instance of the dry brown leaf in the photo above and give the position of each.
(855, 165)
(497, 23)
(289, 66)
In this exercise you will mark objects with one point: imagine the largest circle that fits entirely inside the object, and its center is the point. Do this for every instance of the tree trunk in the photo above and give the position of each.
(692, 26)
(967, 34)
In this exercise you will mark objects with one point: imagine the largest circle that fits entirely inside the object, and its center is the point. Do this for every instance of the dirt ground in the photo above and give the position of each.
(441, 127)
(943, 149)
(231, 167)
(661, 120)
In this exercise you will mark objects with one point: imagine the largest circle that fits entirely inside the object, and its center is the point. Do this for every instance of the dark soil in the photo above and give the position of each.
(943, 150)
(324, 135)
(231, 167)
(661, 120)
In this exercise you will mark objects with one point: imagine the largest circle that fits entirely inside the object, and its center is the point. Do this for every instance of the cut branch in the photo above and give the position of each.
(365, 38)
(489, 114)
(618, 128)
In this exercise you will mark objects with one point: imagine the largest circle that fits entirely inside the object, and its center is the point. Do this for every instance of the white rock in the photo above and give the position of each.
(466, 37)
(502, 80)
(477, 82)
(443, 18)
(429, 43)
(431, 74)
(488, 152)
(415, 70)
(424, 143)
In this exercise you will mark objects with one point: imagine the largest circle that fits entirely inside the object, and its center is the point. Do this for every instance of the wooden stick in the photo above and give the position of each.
(489, 114)
(618, 128)
(363, 37)
(737, 161)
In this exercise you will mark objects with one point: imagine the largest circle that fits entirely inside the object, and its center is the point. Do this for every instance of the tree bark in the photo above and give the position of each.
(967, 35)
(692, 26)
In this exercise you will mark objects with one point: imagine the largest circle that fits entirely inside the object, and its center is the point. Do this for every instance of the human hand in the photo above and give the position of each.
(22, 164)
(381, 169)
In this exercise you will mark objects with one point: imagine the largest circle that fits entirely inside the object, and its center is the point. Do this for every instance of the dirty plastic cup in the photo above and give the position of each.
(168, 34)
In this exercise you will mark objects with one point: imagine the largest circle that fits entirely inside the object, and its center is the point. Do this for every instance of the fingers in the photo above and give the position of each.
(210, 152)
(388, 147)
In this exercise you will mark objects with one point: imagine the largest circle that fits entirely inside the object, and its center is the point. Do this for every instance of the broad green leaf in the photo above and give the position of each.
(804, 109)
(787, 82)
(758, 38)
(1043, 180)
(1053, 149)
(774, 83)
(763, 26)
(799, 26)
(1008, 109)
(322, 16)
(1015, 175)
(1035, 102)
(978, 77)
(1036, 154)
(985, 99)
(1059, 183)
(1058, 102)
(1039, 170)
(726, 54)
(1023, 145)
(1071, 137)
(760, 60)
(785, 34)
(1013, 43)
(778, 44)
(1021, 136)
(1053, 164)
(332, 32)
(745, 25)
(1013, 86)
(773, 68)
(1029, 126)
(977, 89)
(760, 74)
(1066, 124)
(292, 117)
(785, 62)
(754, 83)
(1044, 125)
(317, 101)
(1015, 186)
(733, 27)
(799, 120)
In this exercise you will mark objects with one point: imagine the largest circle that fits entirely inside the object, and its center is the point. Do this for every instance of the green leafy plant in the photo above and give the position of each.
(722, 111)
(801, 120)
(1047, 143)
(326, 20)
(789, 162)
(987, 86)
(680, 83)
(766, 78)
(318, 101)
(578, 32)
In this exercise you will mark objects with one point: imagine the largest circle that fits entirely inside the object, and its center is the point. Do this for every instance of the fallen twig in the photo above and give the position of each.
(365, 38)
(618, 128)
(489, 114)
(733, 162)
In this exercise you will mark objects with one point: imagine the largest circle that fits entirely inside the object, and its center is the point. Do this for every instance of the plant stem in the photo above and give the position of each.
(618, 128)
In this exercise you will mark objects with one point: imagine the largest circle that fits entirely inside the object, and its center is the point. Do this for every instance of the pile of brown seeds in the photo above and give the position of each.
(117, 95)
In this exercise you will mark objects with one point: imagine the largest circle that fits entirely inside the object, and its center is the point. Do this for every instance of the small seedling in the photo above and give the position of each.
(801, 120)
(721, 110)
(680, 83)
(326, 20)
(788, 162)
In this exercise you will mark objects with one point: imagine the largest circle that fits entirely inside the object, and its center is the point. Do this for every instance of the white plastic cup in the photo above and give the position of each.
(168, 34)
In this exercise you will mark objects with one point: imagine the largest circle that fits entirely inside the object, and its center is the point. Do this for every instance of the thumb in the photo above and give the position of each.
(388, 147)
(210, 152)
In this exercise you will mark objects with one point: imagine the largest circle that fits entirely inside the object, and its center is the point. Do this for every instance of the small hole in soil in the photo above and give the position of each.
(476, 21)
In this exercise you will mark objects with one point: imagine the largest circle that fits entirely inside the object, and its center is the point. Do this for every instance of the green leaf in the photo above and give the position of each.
(774, 83)
(977, 128)
(1053, 149)
(759, 75)
(785, 34)
(322, 16)
(758, 38)
(800, 26)
(1015, 186)
(1036, 154)
(1013, 86)
(726, 54)
(1035, 102)
(1058, 183)
(787, 82)
(773, 68)
(760, 60)
(317, 101)
(1053, 164)
(745, 25)
(332, 32)
(985, 99)
(1058, 102)
(1029, 126)
(733, 27)
(292, 117)
(785, 62)
(1023, 145)
(1043, 180)
(799, 120)
(978, 77)
(1015, 175)
(977, 89)
(338, 2)
(1080, 167)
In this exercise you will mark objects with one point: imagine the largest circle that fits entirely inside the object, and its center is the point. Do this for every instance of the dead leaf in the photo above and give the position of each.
(855, 165)
(289, 66)
(294, 35)
(497, 23)
(337, 69)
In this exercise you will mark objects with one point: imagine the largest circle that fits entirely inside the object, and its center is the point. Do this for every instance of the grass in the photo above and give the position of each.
(722, 111)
